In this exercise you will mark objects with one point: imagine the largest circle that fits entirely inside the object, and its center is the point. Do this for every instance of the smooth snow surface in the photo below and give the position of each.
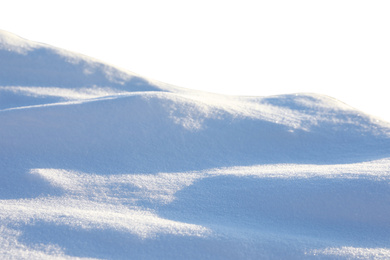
(99, 163)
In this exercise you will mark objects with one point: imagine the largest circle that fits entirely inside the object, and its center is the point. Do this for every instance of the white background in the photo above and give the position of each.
(338, 48)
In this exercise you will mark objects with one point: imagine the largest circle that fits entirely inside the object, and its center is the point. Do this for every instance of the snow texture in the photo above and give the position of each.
(100, 163)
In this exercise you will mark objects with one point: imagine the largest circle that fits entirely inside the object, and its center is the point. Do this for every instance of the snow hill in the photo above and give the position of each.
(97, 162)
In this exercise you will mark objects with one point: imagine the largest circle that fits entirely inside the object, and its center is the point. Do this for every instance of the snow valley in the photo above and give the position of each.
(97, 162)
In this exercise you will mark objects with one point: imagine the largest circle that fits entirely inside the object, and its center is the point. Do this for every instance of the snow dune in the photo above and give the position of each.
(99, 163)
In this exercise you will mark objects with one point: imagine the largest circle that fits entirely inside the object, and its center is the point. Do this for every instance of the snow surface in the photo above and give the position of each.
(99, 163)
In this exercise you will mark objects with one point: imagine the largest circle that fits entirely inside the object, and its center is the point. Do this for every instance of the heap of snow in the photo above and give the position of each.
(98, 162)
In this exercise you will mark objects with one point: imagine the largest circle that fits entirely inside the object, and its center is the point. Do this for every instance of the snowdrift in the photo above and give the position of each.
(98, 162)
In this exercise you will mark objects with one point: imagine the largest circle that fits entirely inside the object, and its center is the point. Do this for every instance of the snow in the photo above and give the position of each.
(99, 163)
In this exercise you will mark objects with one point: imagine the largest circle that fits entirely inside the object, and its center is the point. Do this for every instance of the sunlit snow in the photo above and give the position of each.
(99, 163)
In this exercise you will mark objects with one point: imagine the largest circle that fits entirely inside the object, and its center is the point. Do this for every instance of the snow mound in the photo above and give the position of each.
(99, 163)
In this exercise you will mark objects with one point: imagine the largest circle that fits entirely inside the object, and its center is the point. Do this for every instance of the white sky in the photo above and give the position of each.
(334, 47)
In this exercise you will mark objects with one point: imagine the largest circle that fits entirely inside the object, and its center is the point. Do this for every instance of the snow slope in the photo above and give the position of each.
(97, 162)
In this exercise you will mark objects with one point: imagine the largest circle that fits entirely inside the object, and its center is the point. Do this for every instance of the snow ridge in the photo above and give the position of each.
(100, 163)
